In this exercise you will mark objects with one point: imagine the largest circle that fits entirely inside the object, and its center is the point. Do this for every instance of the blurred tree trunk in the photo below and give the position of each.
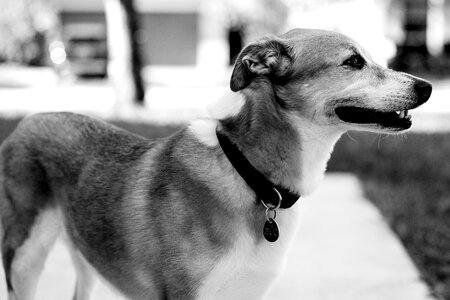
(235, 43)
(412, 55)
(124, 67)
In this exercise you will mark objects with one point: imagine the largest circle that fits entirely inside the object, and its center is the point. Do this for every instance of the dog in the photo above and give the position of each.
(209, 212)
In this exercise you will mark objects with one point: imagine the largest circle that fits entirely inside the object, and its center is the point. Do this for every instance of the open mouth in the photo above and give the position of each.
(399, 120)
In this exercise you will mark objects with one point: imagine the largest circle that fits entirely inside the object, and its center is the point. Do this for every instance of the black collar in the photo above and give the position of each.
(263, 188)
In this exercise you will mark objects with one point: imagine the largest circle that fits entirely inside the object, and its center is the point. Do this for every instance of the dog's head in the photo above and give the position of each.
(330, 80)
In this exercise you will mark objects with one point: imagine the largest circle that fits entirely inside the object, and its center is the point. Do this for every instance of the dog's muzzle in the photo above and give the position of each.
(396, 119)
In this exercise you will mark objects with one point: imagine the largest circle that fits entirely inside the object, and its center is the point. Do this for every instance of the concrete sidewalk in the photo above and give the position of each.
(343, 251)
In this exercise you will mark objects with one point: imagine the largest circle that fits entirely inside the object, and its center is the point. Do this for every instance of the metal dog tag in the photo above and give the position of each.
(271, 231)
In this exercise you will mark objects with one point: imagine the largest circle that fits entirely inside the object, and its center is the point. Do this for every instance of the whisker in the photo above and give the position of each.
(352, 138)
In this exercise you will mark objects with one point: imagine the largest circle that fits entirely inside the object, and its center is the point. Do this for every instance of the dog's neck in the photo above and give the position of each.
(316, 145)
(288, 150)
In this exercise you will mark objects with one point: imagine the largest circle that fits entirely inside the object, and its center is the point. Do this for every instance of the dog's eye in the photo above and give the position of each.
(354, 61)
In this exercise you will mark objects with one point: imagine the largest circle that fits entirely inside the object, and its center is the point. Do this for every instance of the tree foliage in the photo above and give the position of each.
(24, 26)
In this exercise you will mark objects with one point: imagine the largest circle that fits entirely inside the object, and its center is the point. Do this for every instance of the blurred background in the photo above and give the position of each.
(124, 52)
(150, 66)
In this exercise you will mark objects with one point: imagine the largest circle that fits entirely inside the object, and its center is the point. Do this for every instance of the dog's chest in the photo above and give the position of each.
(249, 268)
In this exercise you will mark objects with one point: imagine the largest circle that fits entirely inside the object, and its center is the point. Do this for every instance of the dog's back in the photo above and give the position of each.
(48, 152)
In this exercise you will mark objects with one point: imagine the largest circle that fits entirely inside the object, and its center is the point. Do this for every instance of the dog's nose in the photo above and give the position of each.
(422, 89)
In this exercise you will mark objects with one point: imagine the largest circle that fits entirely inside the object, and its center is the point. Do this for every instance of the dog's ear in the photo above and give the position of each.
(268, 57)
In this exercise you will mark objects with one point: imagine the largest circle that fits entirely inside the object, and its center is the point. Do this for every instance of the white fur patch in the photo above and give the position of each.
(205, 131)
(317, 143)
(85, 275)
(30, 257)
(226, 106)
(3, 289)
(249, 269)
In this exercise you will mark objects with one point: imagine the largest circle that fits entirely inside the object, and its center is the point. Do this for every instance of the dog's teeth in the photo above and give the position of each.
(402, 114)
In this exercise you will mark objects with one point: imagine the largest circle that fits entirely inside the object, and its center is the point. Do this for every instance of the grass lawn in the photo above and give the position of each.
(407, 177)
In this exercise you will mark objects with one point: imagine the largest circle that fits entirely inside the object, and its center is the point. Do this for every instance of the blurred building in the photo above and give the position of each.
(412, 35)
(204, 33)
(169, 27)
